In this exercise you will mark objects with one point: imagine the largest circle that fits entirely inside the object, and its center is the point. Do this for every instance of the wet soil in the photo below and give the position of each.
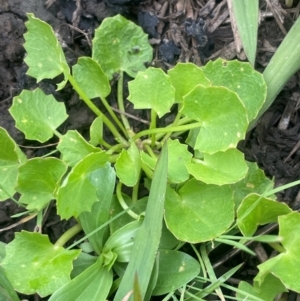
(195, 31)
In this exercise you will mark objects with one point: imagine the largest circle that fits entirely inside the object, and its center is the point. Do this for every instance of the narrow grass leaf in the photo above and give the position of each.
(145, 249)
(284, 63)
(93, 284)
(246, 17)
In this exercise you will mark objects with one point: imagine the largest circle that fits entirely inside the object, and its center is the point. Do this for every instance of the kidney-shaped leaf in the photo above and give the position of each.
(38, 179)
(192, 75)
(285, 266)
(37, 115)
(191, 216)
(152, 89)
(79, 191)
(175, 269)
(121, 45)
(74, 147)
(222, 115)
(34, 265)
(45, 56)
(266, 211)
(10, 159)
(268, 290)
(241, 78)
(90, 77)
(179, 156)
(220, 168)
(254, 182)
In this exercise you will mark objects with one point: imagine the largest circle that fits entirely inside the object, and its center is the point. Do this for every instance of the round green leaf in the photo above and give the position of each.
(220, 168)
(241, 78)
(179, 156)
(193, 76)
(120, 45)
(34, 265)
(37, 115)
(191, 216)
(38, 179)
(78, 193)
(145, 94)
(285, 266)
(175, 269)
(254, 182)
(266, 211)
(45, 56)
(223, 117)
(74, 147)
(10, 159)
(90, 77)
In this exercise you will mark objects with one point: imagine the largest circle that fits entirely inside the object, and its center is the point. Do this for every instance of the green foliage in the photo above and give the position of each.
(140, 198)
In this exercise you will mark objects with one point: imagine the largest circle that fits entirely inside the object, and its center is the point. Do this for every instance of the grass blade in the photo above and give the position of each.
(246, 17)
(148, 237)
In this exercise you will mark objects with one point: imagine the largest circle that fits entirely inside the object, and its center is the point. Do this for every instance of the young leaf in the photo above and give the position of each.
(265, 212)
(92, 284)
(78, 193)
(268, 290)
(42, 267)
(10, 158)
(120, 45)
(193, 76)
(285, 266)
(105, 184)
(246, 18)
(96, 131)
(179, 156)
(240, 78)
(220, 168)
(37, 181)
(90, 77)
(254, 182)
(74, 147)
(144, 94)
(222, 115)
(128, 165)
(175, 270)
(45, 56)
(122, 240)
(145, 249)
(194, 208)
(37, 115)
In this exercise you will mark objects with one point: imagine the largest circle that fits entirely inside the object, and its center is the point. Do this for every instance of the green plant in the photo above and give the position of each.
(199, 188)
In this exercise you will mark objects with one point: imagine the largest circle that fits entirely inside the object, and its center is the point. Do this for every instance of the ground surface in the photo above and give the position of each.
(273, 143)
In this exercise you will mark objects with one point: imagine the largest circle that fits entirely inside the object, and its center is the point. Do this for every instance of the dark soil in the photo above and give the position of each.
(182, 30)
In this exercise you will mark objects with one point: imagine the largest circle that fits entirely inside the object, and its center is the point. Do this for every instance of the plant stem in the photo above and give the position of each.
(276, 246)
(167, 130)
(121, 104)
(153, 126)
(113, 116)
(89, 103)
(175, 122)
(122, 201)
(68, 235)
